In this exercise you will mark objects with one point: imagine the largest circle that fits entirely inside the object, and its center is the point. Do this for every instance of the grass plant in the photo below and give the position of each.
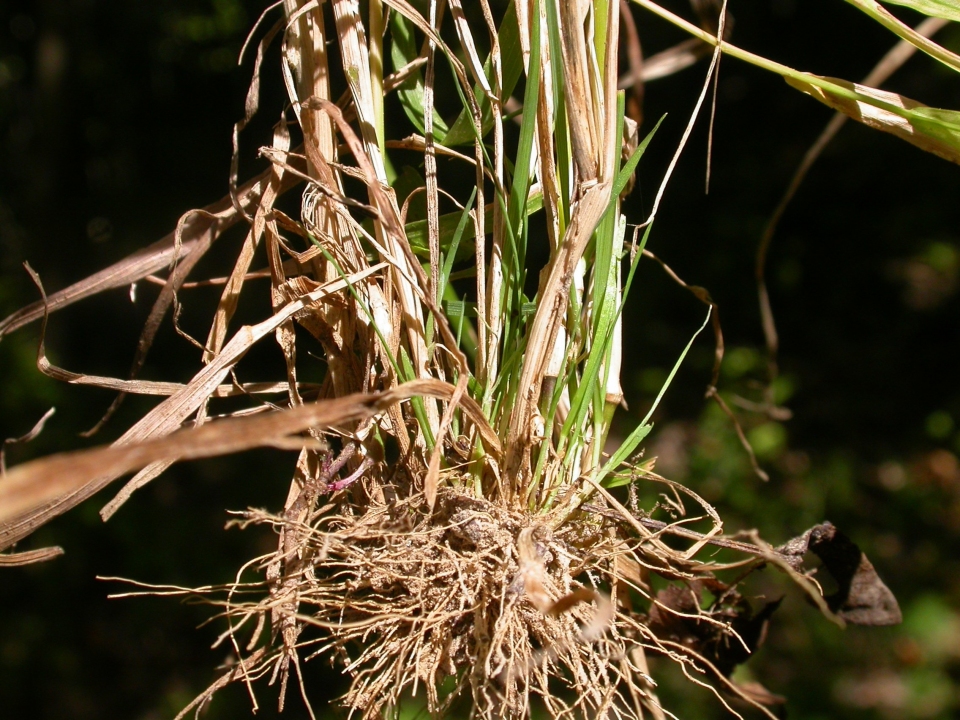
(450, 530)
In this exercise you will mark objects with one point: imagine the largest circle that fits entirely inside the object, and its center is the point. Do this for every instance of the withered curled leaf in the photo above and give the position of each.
(861, 597)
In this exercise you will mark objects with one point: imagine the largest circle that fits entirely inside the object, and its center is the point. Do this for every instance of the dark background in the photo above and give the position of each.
(116, 117)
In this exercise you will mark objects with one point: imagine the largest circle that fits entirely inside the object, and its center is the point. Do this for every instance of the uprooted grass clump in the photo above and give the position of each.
(407, 599)
(500, 602)
(471, 599)
(487, 561)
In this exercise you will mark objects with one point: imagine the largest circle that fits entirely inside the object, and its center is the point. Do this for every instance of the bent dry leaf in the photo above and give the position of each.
(32, 486)
(27, 437)
(29, 557)
(932, 129)
(148, 260)
(168, 416)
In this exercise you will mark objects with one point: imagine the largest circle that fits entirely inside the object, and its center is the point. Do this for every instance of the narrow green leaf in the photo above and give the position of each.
(625, 451)
(456, 309)
(514, 249)
(946, 9)
(623, 177)
(451, 252)
(402, 51)
(419, 408)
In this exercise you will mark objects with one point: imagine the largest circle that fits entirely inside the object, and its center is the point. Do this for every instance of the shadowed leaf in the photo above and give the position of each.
(726, 636)
(861, 598)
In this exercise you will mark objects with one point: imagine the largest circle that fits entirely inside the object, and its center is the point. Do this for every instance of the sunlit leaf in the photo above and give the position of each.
(947, 9)
(931, 129)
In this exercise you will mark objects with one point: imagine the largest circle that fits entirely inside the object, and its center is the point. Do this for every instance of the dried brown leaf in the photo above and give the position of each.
(31, 489)
(29, 557)
(173, 411)
(144, 262)
(861, 597)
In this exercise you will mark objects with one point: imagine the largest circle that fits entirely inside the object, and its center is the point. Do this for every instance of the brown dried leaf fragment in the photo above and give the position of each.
(861, 598)
(144, 262)
(14, 441)
(31, 489)
(29, 557)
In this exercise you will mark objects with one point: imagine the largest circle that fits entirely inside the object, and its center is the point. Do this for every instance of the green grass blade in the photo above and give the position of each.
(419, 408)
(514, 251)
(946, 9)
(451, 251)
(402, 51)
(623, 177)
(625, 451)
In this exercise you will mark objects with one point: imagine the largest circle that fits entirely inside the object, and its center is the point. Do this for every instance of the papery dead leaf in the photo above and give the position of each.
(29, 557)
(932, 129)
(143, 262)
(27, 437)
(171, 413)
